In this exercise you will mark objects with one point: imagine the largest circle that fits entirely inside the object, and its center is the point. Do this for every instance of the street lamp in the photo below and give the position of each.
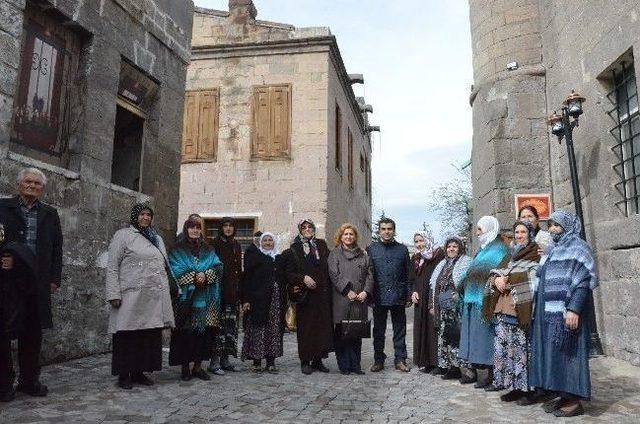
(562, 126)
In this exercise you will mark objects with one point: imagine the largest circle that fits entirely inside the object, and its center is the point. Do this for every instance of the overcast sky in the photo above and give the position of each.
(416, 59)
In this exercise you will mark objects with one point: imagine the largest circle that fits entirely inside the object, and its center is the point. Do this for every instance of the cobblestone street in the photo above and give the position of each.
(84, 391)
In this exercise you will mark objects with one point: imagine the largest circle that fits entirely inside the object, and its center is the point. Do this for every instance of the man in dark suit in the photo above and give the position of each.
(29, 221)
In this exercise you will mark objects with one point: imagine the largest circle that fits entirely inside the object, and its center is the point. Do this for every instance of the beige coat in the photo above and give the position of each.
(136, 275)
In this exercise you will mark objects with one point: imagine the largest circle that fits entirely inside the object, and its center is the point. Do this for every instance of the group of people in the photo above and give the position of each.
(514, 317)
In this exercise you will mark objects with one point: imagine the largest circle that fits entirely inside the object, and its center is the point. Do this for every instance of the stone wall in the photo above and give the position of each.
(579, 44)
(343, 203)
(148, 35)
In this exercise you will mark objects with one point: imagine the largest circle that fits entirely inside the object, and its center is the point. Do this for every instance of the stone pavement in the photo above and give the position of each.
(84, 391)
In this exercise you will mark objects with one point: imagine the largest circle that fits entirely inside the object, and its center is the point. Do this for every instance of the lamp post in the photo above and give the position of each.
(562, 126)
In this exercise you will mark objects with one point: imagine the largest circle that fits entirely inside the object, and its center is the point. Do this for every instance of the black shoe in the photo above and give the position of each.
(9, 395)
(467, 380)
(307, 369)
(437, 371)
(140, 378)
(451, 374)
(512, 396)
(345, 372)
(377, 367)
(36, 389)
(551, 405)
(358, 372)
(491, 388)
(319, 366)
(480, 385)
(271, 369)
(573, 412)
(185, 374)
(535, 397)
(201, 374)
(124, 382)
(426, 370)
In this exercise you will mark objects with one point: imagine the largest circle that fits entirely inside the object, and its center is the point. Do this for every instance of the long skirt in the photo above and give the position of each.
(449, 348)
(425, 335)
(136, 351)
(510, 366)
(264, 341)
(187, 346)
(227, 339)
(477, 337)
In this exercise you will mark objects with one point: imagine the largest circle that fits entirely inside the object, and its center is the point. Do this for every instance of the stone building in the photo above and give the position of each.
(273, 132)
(91, 92)
(552, 48)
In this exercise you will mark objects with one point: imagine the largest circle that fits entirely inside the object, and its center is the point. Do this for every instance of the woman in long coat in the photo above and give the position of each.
(427, 314)
(446, 280)
(351, 273)
(477, 334)
(305, 269)
(263, 301)
(198, 272)
(510, 305)
(561, 330)
(137, 287)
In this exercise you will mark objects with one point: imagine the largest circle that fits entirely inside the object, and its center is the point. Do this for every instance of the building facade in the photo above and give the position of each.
(92, 94)
(552, 48)
(273, 132)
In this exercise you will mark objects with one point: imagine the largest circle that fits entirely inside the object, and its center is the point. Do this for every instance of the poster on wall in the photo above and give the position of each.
(542, 203)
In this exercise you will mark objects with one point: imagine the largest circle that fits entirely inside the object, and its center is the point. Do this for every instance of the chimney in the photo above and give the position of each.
(242, 11)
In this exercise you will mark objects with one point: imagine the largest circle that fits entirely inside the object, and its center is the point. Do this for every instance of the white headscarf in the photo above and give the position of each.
(490, 229)
(273, 252)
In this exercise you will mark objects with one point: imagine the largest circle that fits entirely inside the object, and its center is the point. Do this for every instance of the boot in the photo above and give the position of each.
(468, 375)
(484, 378)
(451, 374)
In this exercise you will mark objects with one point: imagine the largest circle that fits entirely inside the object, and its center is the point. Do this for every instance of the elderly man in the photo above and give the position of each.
(35, 225)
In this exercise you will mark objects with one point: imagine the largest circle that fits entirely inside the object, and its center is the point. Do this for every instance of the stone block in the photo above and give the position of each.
(11, 18)
(9, 50)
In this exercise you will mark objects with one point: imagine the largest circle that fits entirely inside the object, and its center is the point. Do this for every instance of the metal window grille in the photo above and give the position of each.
(245, 229)
(626, 115)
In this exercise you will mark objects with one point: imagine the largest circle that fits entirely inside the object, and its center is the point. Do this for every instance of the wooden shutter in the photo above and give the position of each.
(279, 99)
(270, 134)
(261, 122)
(190, 127)
(200, 125)
(208, 124)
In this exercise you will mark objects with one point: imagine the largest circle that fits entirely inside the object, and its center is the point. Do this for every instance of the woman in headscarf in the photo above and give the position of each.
(263, 302)
(511, 303)
(230, 253)
(198, 272)
(446, 280)
(305, 268)
(561, 330)
(426, 314)
(351, 273)
(477, 333)
(137, 287)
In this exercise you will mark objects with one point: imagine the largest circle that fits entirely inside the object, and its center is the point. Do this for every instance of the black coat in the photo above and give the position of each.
(48, 249)
(17, 287)
(260, 274)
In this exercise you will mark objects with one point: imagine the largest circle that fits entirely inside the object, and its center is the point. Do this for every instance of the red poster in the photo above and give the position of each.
(542, 203)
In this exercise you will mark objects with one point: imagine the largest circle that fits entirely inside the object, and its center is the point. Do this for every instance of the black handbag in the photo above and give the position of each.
(354, 328)
(447, 300)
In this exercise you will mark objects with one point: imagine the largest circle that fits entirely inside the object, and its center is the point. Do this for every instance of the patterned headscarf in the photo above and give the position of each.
(227, 220)
(531, 236)
(490, 229)
(429, 246)
(147, 232)
(569, 222)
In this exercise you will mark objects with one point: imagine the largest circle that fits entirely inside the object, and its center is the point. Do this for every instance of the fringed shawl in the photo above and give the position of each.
(205, 302)
(494, 255)
(457, 274)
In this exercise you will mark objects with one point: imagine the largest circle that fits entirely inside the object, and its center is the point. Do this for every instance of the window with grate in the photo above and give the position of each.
(350, 158)
(338, 139)
(627, 133)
